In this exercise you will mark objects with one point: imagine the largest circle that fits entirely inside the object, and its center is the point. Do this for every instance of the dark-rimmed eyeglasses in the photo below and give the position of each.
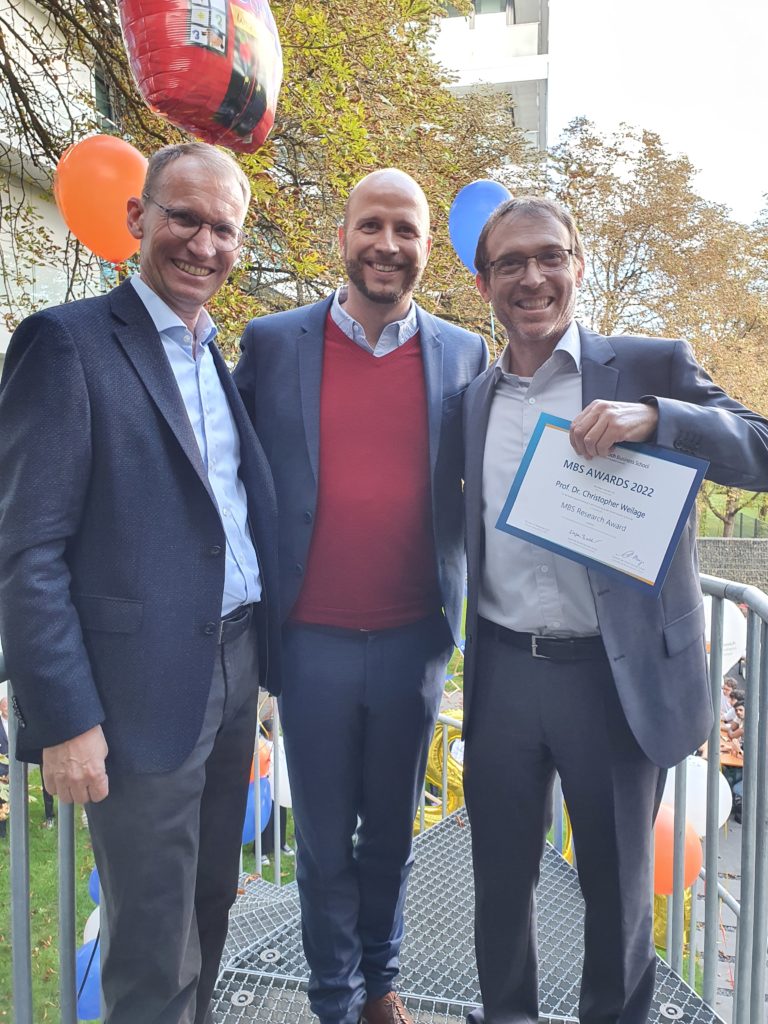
(551, 261)
(185, 224)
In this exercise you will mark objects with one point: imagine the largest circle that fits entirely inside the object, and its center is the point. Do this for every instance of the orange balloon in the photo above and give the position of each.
(94, 180)
(664, 848)
(265, 753)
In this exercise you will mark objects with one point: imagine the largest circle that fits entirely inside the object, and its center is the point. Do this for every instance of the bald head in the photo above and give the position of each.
(385, 243)
(389, 180)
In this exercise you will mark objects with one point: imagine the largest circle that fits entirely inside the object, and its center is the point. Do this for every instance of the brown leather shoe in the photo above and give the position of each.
(387, 1010)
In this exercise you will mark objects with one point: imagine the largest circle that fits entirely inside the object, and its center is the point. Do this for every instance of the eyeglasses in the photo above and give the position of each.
(186, 224)
(551, 261)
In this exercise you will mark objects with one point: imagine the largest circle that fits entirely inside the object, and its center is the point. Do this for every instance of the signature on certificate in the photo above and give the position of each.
(633, 557)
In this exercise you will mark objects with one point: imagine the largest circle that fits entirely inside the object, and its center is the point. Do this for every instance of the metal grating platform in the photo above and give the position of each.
(264, 976)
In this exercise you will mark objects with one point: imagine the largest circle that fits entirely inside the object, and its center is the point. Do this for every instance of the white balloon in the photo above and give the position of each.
(284, 796)
(696, 795)
(734, 631)
(92, 926)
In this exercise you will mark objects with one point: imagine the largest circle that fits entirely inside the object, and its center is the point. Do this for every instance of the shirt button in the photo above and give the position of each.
(299, 568)
(531, 401)
(209, 628)
(225, 511)
(544, 568)
(307, 516)
(216, 549)
(556, 624)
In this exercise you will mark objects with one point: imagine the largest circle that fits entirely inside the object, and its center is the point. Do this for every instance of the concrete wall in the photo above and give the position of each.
(742, 559)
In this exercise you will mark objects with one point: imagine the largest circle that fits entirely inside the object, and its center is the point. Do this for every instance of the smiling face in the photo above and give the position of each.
(536, 309)
(385, 240)
(185, 273)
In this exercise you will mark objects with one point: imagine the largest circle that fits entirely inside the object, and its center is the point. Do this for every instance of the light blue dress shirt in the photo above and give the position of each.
(392, 337)
(217, 438)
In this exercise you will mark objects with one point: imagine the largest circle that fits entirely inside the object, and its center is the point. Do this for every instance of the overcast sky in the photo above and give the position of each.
(694, 71)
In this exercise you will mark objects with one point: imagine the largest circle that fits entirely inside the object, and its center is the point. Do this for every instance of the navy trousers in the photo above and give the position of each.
(530, 717)
(358, 711)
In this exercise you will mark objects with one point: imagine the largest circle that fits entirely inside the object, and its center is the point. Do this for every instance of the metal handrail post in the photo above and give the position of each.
(558, 824)
(675, 954)
(760, 942)
(277, 839)
(444, 776)
(67, 981)
(742, 994)
(21, 934)
(712, 839)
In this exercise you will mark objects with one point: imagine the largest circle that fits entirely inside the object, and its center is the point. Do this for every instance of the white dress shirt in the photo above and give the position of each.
(525, 587)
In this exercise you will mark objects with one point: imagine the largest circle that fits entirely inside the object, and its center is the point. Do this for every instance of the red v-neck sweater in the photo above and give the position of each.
(371, 561)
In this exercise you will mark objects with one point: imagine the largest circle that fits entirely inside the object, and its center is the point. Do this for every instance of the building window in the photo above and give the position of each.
(101, 97)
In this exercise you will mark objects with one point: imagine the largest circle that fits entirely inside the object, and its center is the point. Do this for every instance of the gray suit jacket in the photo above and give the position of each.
(279, 377)
(656, 646)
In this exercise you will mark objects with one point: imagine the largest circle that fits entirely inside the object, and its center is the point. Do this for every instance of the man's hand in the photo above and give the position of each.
(74, 770)
(603, 424)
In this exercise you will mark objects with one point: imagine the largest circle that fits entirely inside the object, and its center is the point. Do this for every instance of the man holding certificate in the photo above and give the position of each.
(613, 672)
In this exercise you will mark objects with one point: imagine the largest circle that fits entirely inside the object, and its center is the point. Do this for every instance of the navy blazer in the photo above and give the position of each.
(655, 645)
(111, 544)
(279, 376)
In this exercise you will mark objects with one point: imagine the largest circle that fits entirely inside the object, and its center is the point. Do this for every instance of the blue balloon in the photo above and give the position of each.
(93, 886)
(265, 796)
(88, 981)
(470, 210)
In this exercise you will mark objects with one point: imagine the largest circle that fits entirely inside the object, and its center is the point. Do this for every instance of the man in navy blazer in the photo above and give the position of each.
(568, 669)
(357, 402)
(137, 567)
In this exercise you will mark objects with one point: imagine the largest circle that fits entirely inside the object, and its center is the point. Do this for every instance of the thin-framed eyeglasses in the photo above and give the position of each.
(551, 261)
(185, 224)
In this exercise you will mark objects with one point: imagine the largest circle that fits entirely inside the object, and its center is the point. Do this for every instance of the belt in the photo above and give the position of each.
(235, 624)
(554, 648)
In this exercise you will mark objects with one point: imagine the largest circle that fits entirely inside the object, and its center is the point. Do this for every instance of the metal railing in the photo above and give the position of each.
(750, 911)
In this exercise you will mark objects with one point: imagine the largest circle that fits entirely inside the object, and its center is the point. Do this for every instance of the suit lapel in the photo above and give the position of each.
(477, 409)
(598, 379)
(432, 357)
(310, 345)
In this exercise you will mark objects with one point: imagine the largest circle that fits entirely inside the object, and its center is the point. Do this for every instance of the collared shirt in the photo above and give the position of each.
(522, 586)
(217, 438)
(392, 337)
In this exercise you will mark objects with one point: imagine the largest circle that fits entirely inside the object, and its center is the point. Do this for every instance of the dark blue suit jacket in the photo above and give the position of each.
(111, 545)
(655, 645)
(279, 378)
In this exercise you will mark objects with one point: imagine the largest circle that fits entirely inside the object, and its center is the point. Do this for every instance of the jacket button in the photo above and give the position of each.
(299, 568)
(307, 517)
(216, 549)
(209, 628)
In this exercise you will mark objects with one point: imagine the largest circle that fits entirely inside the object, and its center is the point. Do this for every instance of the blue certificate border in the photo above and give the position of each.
(699, 465)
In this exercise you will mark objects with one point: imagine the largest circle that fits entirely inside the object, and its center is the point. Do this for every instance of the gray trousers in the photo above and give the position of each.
(530, 717)
(167, 848)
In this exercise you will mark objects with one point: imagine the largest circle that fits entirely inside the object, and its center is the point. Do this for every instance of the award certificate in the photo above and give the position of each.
(622, 513)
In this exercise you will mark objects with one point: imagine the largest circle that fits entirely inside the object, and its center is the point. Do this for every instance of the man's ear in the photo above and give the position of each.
(135, 218)
(482, 287)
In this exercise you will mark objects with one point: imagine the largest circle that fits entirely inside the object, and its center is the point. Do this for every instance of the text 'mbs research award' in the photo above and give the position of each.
(622, 513)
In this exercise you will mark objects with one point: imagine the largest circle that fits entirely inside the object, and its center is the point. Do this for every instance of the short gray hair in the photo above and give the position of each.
(215, 159)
